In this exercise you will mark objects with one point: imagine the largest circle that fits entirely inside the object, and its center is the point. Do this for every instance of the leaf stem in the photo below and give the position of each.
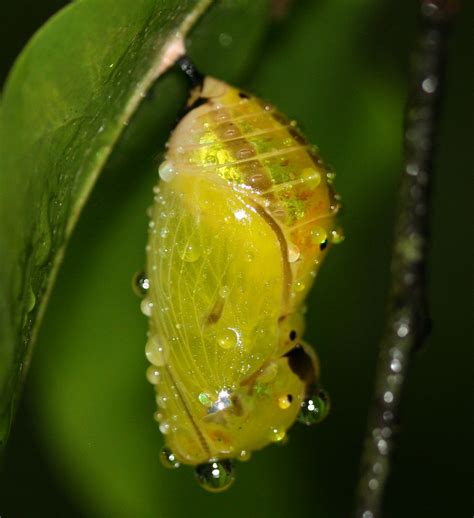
(407, 320)
(194, 16)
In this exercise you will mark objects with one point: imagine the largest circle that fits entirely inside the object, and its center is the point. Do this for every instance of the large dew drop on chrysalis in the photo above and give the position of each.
(215, 476)
(189, 251)
(167, 171)
(140, 284)
(154, 351)
(227, 338)
(168, 459)
(315, 408)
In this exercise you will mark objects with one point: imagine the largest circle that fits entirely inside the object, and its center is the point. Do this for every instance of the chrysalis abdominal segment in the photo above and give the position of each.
(242, 218)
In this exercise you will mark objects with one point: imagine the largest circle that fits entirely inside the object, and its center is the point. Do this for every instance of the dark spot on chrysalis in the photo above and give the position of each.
(297, 136)
(301, 364)
(216, 311)
(280, 118)
(292, 334)
(243, 95)
(237, 406)
(323, 245)
(290, 397)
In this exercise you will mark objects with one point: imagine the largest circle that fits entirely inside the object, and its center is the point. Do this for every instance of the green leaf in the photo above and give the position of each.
(66, 102)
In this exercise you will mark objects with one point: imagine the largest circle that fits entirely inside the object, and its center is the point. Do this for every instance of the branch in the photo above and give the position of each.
(407, 320)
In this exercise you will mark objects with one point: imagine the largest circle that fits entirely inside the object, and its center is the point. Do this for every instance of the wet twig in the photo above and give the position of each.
(407, 319)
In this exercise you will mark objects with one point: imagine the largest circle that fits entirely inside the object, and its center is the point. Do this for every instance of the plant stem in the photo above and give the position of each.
(407, 319)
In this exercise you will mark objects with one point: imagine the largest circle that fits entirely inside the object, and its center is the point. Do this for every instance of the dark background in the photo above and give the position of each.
(84, 443)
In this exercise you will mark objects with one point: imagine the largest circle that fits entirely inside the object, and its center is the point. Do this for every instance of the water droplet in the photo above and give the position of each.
(293, 253)
(205, 399)
(153, 375)
(227, 338)
(168, 459)
(146, 307)
(161, 401)
(225, 39)
(224, 291)
(223, 401)
(140, 284)
(268, 373)
(154, 351)
(382, 446)
(315, 408)
(402, 329)
(318, 235)
(166, 171)
(158, 417)
(190, 253)
(396, 365)
(299, 286)
(244, 455)
(240, 215)
(337, 236)
(163, 251)
(373, 484)
(164, 427)
(31, 300)
(429, 84)
(311, 177)
(284, 402)
(215, 476)
(277, 434)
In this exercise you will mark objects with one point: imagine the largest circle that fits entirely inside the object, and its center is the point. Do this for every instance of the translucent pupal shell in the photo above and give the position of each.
(242, 218)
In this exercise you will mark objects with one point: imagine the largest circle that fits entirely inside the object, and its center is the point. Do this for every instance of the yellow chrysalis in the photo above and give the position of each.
(242, 218)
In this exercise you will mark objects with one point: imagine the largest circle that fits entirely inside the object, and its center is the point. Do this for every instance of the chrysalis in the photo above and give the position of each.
(242, 218)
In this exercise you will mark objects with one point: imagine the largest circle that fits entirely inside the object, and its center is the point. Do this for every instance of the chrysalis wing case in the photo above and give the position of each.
(242, 218)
